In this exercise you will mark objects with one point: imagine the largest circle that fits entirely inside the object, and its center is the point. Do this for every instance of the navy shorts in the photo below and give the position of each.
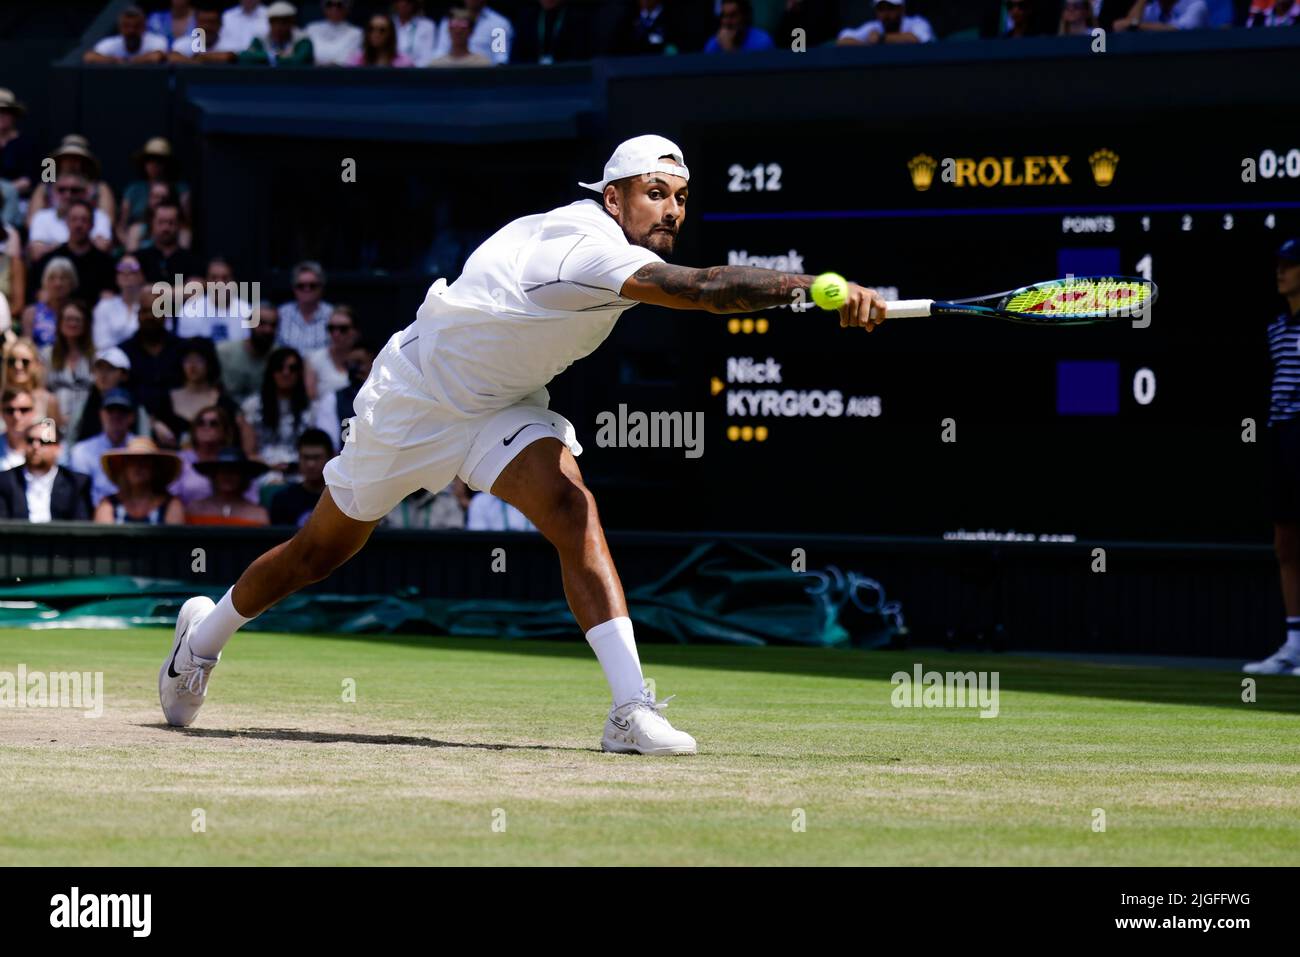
(1284, 472)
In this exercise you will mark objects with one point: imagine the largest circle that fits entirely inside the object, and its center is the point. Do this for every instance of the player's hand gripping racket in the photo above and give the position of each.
(1059, 302)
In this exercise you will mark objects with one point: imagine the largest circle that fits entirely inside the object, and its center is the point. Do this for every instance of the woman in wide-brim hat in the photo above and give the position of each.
(74, 156)
(157, 164)
(231, 474)
(141, 471)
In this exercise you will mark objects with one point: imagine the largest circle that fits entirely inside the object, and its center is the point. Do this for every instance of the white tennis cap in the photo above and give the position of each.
(640, 155)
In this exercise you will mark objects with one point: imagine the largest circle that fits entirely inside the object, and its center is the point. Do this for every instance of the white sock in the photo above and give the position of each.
(1292, 645)
(616, 650)
(217, 628)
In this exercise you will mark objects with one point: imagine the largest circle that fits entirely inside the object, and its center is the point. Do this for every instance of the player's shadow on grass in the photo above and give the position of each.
(331, 737)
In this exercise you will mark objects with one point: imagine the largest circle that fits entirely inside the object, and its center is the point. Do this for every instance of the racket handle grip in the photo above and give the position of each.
(908, 308)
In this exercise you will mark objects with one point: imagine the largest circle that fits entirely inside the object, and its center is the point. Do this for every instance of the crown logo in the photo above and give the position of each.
(1103, 163)
(922, 168)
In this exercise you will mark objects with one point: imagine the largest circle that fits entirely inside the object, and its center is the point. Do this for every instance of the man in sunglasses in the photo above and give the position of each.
(304, 323)
(96, 275)
(50, 225)
(40, 491)
(461, 392)
(19, 411)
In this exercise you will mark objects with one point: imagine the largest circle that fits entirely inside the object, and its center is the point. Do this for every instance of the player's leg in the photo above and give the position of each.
(544, 482)
(1284, 500)
(326, 541)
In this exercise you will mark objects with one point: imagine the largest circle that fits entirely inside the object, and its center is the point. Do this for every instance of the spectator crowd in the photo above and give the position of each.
(470, 33)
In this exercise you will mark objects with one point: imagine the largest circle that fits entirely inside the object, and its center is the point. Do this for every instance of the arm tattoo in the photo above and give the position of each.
(724, 289)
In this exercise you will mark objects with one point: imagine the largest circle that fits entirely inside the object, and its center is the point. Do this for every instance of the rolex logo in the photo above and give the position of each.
(922, 169)
(1103, 163)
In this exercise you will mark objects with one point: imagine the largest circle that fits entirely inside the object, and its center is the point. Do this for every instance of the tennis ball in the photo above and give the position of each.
(830, 290)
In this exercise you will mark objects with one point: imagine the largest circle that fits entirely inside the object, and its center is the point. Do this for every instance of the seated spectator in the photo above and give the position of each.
(200, 387)
(19, 413)
(303, 322)
(231, 475)
(554, 31)
(334, 41)
(1164, 15)
(208, 42)
(93, 267)
(219, 314)
(487, 513)
(13, 270)
(284, 44)
(415, 32)
(68, 361)
(243, 23)
(40, 318)
(458, 53)
(293, 504)
(379, 48)
(172, 24)
(1273, 13)
(425, 509)
(1077, 18)
(49, 226)
(74, 159)
(483, 34)
(155, 356)
(333, 408)
(140, 235)
(18, 154)
(131, 43)
(736, 32)
(279, 414)
(214, 430)
(38, 490)
(116, 317)
(163, 256)
(327, 368)
(23, 369)
(116, 419)
(110, 370)
(243, 361)
(141, 473)
(891, 25)
(157, 166)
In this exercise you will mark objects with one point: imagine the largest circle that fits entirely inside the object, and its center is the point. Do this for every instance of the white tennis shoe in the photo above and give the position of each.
(183, 679)
(639, 727)
(1281, 662)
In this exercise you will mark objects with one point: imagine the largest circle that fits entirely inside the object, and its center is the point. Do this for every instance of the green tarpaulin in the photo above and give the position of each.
(719, 593)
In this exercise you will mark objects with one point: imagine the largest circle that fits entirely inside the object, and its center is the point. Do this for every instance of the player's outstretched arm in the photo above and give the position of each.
(728, 289)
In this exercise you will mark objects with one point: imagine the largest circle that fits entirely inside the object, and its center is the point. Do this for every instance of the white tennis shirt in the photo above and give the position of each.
(540, 293)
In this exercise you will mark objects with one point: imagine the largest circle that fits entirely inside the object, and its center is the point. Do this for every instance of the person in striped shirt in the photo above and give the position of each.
(1284, 468)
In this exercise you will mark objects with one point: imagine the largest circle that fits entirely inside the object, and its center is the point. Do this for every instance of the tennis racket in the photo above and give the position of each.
(1060, 302)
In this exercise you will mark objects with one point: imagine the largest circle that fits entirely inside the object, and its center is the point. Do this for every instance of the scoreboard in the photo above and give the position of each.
(1136, 429)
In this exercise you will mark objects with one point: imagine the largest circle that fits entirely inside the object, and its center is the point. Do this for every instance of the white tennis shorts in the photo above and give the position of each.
(399, 441)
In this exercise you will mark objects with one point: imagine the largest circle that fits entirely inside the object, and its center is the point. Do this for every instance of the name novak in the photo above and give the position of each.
(790, 262)
(103, 910)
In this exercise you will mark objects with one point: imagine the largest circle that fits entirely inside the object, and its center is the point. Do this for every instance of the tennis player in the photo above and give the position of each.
(462, 392)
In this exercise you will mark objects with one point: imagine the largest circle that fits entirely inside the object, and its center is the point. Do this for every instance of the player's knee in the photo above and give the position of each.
(570, 511)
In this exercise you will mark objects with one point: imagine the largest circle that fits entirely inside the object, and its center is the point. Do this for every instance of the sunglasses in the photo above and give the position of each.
(306, 285)
(41, 441)
(64, 190)
(20, 361)
(339, 329)
(15, 409)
